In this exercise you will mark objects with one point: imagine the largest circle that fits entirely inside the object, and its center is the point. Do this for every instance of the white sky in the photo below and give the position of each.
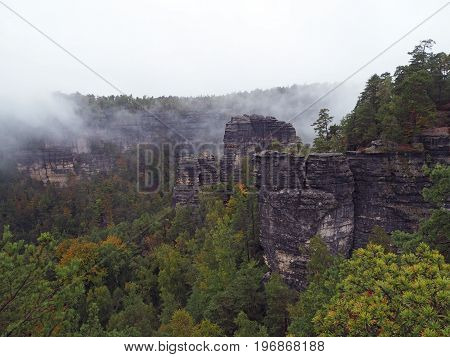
(180, 47)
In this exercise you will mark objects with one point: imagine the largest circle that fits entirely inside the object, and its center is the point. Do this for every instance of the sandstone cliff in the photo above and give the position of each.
(312, 197)
(339, 197)
(193, 172)
(244, 135)
(56, 164)
(388, 190)
(247, 134)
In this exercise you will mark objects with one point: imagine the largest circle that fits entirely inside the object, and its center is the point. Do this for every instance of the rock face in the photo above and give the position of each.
(247, 134)
(186, 181)
(311, 197)
(243, 136)
(436, 141)
(208, 169)
(193, 172)
(80, 153)
(388, 191)
(55, 165)
(339, 197)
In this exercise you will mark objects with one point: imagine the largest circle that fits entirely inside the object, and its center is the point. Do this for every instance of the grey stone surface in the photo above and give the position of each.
(339, 197)
(318, 201)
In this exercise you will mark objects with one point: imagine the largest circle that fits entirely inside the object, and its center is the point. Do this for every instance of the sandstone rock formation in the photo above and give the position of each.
(339, 197)
(247, 134)
(193, 172)
(244, 135)
(56, 164)
(311, 197)
(186, 180)
(388, 190)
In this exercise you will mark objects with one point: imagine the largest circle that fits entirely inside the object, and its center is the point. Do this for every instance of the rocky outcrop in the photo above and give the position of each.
(275, 171)
(193, 172)
(436, 141)
(186, 181)
(300, 199)
(244, 135)
(54, 158)
(388, 190)
(56, 164)
(339, 197)
(247, 134)
(53, 165)
(208, 169)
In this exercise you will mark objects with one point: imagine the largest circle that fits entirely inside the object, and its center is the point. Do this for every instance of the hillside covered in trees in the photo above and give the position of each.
(393, 107)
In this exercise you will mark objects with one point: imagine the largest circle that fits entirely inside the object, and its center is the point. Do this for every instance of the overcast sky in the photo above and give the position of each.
(195, 47)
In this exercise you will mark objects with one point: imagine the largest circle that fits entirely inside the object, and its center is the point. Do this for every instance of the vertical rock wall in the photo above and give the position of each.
(56, 164)
(244, 135)
(388, 190)
(192, 173)
(299, 199)
(339, 197)
(247, 134)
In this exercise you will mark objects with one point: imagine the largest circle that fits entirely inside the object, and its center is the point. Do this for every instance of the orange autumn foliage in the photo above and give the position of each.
(242, 188)
(114, 241)
(86, 252)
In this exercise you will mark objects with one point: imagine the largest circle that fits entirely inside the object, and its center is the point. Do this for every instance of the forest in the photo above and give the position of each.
(393, 108)
(97, 258)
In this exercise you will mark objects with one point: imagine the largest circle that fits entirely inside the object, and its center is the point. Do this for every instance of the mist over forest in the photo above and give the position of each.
(73, 119)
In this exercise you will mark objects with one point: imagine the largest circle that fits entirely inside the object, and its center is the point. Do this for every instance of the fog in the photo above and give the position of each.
(37, 115)
(199, 47)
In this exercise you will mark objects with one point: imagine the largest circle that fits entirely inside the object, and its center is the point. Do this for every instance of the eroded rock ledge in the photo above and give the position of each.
(339, 197)
(314, 196)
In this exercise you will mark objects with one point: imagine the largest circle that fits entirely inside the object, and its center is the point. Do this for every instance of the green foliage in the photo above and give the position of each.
(329, 138)
(396, 108)
(34, 290)
(275, 145)
(363, 124)
(207, 329)
(248, 328)
(439, 192)
(321, 128)
(435, 230)
(244, 212)
(383, 294)
(324, 275)
(92, 326)
(379, 236)
(136, 318)
(182, 324)
(278, 297)
(80, 208)
(413, 107)
(103, 301)
(244, 293)
(173, 279)
(322, 123)
(320, 257)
